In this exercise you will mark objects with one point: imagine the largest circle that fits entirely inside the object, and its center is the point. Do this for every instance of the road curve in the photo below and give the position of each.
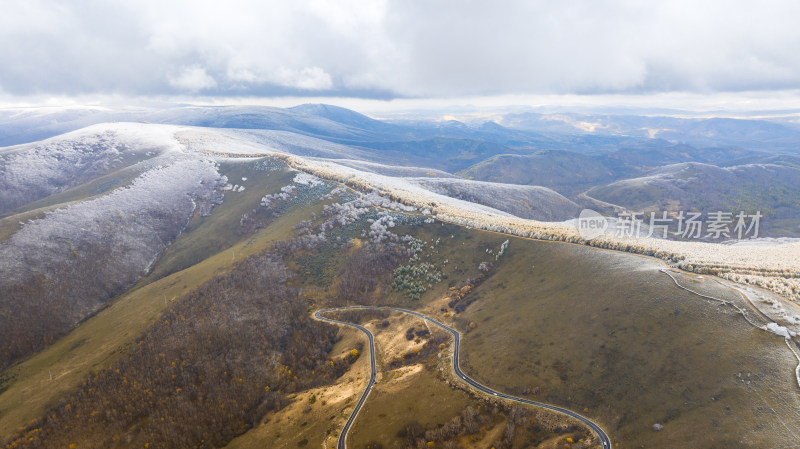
(601, 434)
(373, 373)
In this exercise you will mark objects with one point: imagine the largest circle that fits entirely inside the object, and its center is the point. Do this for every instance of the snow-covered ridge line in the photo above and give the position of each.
(528, 202)
(36, 170)
(398, 189)
(135, 135)
(776, 268)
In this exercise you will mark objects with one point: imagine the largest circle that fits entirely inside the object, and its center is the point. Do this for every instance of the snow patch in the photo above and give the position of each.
(777, 329)
(306, 179)
(137, 221)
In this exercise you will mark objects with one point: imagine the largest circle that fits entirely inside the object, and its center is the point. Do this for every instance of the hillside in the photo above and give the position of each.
(339, 248)
(571, 172)
(33, 171)
(132, 286)
(563, 171)
(532, 202)
(399, 225)
(772, 189)
(320, 157)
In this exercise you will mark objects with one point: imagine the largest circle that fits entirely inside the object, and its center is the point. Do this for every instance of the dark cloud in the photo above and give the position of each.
(383, 49)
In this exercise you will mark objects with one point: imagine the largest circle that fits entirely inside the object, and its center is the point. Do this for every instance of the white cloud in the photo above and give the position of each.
(193, 79)
(405, 48)
(309, 78)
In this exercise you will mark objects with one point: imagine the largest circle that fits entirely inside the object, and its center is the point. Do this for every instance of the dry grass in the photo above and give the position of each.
(303, 424)
(101, 339)
(774, 262)
(608, 332)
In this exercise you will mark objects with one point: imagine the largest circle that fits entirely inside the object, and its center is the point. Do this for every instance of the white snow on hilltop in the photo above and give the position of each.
(261, 142)
(776, 267)
(395, 170)
(534, 202)
(306, 179)
(777, 329)
(137, 221)
(404, 189)
(32, 171)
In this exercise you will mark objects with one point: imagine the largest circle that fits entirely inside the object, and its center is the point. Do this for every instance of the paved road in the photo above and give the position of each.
(373, 372)
(604, 439)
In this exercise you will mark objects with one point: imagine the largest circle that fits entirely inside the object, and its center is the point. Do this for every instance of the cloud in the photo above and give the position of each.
(193, 79)
(306, 78)
(397, 48)
(309, 78)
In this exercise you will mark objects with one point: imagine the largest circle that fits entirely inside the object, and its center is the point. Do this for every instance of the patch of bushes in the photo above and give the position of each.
(414, 278)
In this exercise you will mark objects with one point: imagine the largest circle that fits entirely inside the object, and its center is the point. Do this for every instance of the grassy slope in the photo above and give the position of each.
(397, 402)
(399, 397)
(97, 342)
(403, 395)
(205, 236)
(558, 317)
(607, 332)
(603, 332)
(288, 427)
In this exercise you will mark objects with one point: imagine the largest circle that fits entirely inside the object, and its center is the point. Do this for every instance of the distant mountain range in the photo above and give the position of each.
(773, 190)
(636, 161)
(775, 135)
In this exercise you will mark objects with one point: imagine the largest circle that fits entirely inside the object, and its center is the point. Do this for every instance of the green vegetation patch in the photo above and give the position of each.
(320, 266)
(419, 274)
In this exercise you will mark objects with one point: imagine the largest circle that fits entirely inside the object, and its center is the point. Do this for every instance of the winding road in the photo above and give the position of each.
(604, 439)
(373, 371)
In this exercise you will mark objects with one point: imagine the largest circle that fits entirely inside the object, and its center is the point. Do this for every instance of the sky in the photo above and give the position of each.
(385, 51)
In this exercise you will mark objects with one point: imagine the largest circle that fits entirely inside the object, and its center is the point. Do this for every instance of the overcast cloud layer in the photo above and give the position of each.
(388, 49)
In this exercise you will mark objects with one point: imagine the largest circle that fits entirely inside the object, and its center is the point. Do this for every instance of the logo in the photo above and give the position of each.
(591, 224)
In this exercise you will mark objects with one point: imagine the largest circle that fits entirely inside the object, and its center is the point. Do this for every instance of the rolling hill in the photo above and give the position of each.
(673, 126)
(532, 202)
(772, 189)
(166, 275)
(563, 171)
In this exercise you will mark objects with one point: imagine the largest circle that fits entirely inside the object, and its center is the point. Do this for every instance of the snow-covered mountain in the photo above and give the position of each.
(118, 160)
